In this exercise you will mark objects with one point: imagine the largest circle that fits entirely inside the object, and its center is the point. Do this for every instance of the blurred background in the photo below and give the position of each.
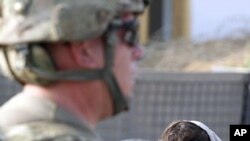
(196, 66)
(197, 35)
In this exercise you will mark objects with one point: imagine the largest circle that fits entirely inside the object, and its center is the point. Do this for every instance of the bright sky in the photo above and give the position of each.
(216, 18)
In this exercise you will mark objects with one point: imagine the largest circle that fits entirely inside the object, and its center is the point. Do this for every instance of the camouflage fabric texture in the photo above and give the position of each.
(45, 121)
(46, 131)
(59, 20)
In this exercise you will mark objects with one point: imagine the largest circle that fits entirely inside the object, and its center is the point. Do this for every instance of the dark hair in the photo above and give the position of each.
(184, 131)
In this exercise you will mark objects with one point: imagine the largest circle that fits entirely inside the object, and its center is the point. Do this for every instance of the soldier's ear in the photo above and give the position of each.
(83, 55)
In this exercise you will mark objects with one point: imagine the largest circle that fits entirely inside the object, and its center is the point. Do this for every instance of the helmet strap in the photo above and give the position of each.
(45, 76)
(119, 101)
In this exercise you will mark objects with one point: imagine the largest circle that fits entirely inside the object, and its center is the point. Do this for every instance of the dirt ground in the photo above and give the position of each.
(187, 56)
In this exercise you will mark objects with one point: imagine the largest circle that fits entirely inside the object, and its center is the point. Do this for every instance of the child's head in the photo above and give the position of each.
(184, 130)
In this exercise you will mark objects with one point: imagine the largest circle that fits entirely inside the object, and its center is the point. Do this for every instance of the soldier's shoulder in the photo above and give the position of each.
(46, 131)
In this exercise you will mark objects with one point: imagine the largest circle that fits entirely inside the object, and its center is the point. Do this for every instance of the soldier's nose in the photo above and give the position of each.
(137, 52)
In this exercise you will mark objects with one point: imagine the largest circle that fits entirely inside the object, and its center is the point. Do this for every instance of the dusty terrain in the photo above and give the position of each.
(206, 56)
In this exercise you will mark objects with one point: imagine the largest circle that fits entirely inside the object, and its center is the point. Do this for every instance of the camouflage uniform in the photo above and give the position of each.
(24, 25)
(45, 121)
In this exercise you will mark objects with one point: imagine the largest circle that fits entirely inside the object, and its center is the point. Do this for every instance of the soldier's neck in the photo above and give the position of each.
(87, 103)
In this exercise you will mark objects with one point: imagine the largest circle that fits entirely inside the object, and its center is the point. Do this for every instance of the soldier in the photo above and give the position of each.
(75, 60)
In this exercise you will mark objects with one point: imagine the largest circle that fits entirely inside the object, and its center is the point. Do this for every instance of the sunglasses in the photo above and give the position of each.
(130, 28)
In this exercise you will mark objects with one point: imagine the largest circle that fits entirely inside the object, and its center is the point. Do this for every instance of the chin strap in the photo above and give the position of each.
(119, 101)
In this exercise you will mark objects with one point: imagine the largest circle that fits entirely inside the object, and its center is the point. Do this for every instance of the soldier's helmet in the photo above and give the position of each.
(37, 21)
(57, 20)
(26, 24)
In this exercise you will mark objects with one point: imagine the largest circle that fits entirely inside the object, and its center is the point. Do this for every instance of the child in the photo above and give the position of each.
(184, 130)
